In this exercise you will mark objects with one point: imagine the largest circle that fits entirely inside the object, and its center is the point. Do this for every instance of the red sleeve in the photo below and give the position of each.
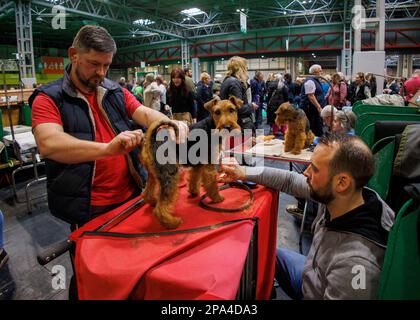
(131, 103)
(44, 110)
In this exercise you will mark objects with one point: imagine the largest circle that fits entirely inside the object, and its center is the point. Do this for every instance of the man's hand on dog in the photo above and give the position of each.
(125, 142)
(183, 131)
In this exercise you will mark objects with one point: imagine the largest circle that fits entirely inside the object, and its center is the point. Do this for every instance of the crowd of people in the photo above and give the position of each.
(184, 100)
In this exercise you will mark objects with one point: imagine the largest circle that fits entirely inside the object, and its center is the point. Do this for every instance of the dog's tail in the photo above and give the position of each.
(152, 143)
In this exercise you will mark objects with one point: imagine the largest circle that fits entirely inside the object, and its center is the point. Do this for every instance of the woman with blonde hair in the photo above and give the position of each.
(236, 84)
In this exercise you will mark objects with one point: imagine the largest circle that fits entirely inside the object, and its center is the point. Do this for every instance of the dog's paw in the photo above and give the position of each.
(171, 223)
(193, 192)
(296, 152)
(218, 198)
(150, 200)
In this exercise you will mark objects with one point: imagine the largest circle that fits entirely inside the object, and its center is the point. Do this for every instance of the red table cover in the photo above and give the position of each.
(196, 264)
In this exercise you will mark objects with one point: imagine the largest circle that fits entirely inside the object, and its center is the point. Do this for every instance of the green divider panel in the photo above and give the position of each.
(400, 276)
(383, 152)
(366, 108)
(26, 115)
(365, 123)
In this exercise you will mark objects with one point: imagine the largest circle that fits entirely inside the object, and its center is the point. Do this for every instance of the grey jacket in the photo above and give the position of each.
(340, 264)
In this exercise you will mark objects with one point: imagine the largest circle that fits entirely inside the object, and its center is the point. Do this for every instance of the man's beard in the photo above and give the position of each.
(322, 197)
(89, 83)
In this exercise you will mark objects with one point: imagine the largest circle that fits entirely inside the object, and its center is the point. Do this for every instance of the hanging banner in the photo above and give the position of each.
(8, 65)
(243, 22)
(52, 65)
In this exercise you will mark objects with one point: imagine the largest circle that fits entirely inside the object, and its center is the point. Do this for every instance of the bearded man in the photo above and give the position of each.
(350, 231)
(86, 129)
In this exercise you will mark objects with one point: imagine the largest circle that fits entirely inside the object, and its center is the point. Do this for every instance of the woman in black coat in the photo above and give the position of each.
(235, 84)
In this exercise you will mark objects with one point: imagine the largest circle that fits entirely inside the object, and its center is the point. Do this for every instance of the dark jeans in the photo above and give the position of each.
(288, 274)
(258, 116)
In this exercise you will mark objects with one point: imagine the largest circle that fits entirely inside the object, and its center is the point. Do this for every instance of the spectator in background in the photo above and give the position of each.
(337, 93)
(138, 91)
(270, 78)
(3, 254)
(121, 82)
(258, 91)
(162, 89)
(189, 81)
(236, 84)
(180, 99)
(217, 83)
(191, 86)
(344, 122)
(124, 84)
(391, 86)
(151, 92)
(325, 85)
(297, 90)
(411, 86)
(313, 99)
(359, 89)
(204, 94)
(327, 115)
(278, 93)
(371, 79)
(291, 87)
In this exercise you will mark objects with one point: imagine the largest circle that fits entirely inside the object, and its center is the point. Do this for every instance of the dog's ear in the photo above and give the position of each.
(209, 105)
(236, 102)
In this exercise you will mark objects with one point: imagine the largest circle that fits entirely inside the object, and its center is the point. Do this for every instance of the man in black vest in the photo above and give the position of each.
(312, 99)
(84, 126)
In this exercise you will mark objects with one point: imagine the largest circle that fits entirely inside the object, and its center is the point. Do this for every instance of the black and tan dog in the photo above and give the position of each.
(298, 134)
(162, 182)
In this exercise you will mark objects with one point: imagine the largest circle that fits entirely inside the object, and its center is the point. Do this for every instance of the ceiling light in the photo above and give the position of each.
(192, 12)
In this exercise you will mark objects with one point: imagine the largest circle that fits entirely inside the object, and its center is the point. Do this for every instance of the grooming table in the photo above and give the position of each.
(212, 255)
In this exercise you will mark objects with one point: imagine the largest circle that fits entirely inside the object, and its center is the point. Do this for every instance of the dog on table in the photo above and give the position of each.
(162, 182)
(298, 135)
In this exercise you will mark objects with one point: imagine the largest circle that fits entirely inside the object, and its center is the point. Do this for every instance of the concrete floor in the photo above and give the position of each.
(26, 235)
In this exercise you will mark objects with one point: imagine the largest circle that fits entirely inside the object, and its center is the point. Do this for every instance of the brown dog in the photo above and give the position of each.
(162, 182)
(298, 135)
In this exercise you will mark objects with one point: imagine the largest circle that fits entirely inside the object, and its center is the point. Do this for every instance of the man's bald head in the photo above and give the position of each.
(351, 155)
